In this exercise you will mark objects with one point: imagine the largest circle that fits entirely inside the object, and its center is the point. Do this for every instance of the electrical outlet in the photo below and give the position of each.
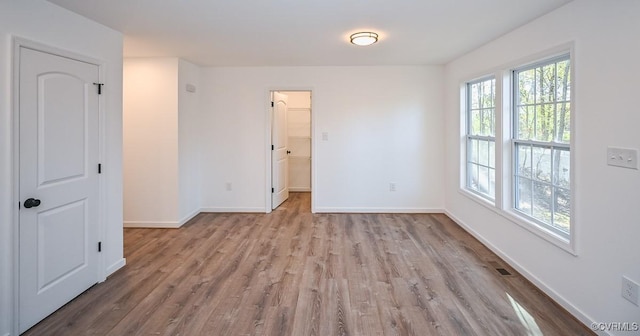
(622, 157)
(630, 290)
(228, 186)
(392, 186)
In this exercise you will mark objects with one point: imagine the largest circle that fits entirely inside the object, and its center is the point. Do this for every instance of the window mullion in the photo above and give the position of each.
(553, 181)
(535, 104)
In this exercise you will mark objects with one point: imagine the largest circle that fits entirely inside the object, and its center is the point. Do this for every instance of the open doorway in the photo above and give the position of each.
(291, 134)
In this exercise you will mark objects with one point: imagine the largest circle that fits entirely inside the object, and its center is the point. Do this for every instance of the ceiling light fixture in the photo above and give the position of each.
(364, 38)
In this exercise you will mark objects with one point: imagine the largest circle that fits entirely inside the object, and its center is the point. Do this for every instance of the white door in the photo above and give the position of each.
(58, 187)
(279, 151)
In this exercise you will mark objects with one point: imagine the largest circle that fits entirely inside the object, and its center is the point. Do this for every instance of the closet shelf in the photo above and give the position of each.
(299, 157)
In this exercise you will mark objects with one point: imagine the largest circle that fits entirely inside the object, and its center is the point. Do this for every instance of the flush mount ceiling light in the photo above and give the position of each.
(364, 38)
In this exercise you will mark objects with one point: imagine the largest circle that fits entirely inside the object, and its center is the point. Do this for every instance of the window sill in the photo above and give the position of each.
(564, 244)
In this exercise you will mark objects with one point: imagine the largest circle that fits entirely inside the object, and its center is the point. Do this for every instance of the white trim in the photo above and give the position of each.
(17, 43)
(314, 151)
(175, 224)
(299, 189)
(15, 181)
(189, 217)
(574, 147)
(116, 266)
(161, 224)
(152, 224)
(532, 227)
(231, 210)
(559, 299)
(479, 198)
(102, 178)
(267, 157)
(378, 210)
(502, 127)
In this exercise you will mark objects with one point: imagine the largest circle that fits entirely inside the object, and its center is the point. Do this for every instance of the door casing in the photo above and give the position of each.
(268, 124)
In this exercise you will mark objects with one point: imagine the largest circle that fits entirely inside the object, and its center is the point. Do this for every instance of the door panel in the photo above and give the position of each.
(61, 118)
(279, 156)
(58, 150)
(61, 252)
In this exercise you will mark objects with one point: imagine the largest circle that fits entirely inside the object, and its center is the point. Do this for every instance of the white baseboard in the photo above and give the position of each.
(188, 217)
(152, 224)
(185, 219)
(162, 224)
(377, 210)
(221, 209)
(577, 313)
(116, 266)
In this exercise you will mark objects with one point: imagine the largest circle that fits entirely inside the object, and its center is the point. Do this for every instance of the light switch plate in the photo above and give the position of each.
(622, 157)
(630, 290)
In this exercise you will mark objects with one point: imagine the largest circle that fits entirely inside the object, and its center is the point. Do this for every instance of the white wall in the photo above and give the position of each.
(188, 140)
(150, 141)
(607, 68)
(48, 24)
(161, 163)
(384, 124)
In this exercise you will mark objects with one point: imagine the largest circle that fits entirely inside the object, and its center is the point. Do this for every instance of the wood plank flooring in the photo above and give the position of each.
(296, 273)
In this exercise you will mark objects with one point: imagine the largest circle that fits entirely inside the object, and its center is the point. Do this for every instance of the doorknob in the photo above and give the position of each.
(31, 202)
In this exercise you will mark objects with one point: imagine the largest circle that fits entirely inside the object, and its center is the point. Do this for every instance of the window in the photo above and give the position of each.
(481, 141)
(522, 173)
(541, 143)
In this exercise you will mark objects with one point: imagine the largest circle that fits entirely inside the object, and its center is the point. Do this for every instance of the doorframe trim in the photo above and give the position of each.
(17, 43)
(269, 121)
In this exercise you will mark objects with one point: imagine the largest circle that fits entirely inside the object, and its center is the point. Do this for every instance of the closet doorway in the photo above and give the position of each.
(298, 142)
(299, 132)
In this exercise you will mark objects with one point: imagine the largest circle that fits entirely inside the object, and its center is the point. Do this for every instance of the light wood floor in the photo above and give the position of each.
(295, 273)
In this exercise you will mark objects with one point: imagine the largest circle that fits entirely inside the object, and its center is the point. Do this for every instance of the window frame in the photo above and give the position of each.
(548, 145)
(504, 155)
(489, 139)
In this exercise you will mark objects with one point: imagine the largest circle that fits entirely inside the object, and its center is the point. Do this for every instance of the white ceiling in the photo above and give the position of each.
(308, 32)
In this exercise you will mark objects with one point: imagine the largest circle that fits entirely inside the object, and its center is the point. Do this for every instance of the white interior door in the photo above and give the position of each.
(58, 182)
(279, 152)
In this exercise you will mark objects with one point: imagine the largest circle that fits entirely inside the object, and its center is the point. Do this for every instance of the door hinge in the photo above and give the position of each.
(272, 148)
(99, 168)
(99, 246)
(271, 104)
(273, 190)
(99, 85)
